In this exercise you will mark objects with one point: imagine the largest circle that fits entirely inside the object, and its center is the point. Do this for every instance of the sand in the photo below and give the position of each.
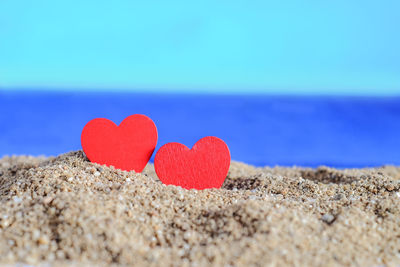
(66, 211)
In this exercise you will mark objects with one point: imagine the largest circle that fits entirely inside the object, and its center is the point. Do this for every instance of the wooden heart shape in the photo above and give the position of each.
(128, 146)
(204, 166)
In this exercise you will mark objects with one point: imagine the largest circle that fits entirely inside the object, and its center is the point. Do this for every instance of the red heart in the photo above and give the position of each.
(204, 166)
(128, 146)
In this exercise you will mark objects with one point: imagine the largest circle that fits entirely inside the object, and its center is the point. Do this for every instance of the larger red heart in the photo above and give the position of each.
(128, 146)
(204, 166)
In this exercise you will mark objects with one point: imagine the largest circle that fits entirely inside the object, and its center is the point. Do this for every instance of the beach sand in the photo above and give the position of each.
(67, 211)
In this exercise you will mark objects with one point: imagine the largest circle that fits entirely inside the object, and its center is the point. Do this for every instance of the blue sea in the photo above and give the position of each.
(259, 129)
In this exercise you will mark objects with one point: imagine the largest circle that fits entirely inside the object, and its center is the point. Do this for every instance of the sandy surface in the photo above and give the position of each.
(66, 210)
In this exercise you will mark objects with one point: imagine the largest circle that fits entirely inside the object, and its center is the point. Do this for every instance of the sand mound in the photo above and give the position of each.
(66, 210)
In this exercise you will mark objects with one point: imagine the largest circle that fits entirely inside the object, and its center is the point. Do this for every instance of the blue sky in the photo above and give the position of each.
(296, 46)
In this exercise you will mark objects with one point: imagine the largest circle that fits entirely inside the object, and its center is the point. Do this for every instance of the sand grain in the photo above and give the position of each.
(66, 210)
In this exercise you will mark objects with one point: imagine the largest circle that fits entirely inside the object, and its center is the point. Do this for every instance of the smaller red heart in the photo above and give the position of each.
(128, 146)
(204, 166)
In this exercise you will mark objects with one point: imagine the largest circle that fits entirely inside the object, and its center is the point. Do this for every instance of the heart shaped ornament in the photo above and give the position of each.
(128, 146)
(204, 166)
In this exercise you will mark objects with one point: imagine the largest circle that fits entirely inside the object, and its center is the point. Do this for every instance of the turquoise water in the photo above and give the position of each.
(260, 130)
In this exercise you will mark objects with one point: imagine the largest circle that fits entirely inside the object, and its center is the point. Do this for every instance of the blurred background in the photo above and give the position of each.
(293, 82)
